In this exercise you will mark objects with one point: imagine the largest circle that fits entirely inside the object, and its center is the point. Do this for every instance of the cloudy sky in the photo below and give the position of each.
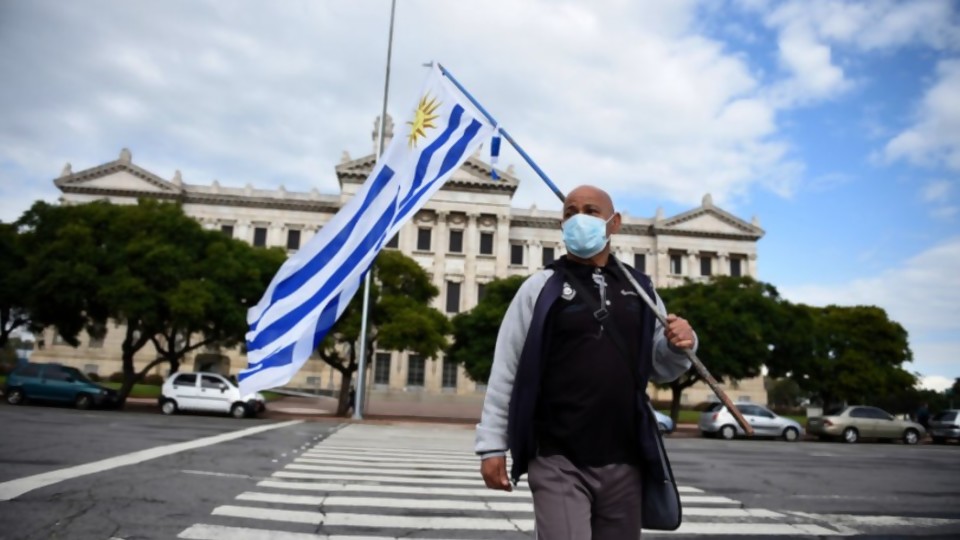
(836, 123)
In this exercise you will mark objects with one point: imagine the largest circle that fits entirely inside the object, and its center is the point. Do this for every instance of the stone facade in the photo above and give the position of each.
(467, 235)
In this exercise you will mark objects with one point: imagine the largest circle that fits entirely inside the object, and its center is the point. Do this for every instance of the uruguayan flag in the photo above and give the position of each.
(313, 287)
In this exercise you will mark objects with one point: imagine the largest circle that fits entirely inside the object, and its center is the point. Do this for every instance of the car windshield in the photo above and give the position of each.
(945, 416)
(75, 373)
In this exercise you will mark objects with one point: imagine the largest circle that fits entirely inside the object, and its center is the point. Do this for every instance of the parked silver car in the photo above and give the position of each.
(945, 425)
(717, 420)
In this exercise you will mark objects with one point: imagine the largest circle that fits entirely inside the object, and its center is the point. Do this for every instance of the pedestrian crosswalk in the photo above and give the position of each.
(377, 482)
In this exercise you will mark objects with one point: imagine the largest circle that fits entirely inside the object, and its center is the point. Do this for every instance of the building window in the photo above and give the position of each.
(96, 342)
(91, 369)
(314, 381)
(57, 338)
(227, 230)
(486, 243)
(516, 254)
(449, 374)
(453, 297)
(548, 256)
(735, 269)
(456, 241)
(393, 242)
(676, 264)
(293, 239)
(423, 239)
(640, 261)
(706, 265)
(260, 237)
(415, 370)
(481, 291)
(381, 369)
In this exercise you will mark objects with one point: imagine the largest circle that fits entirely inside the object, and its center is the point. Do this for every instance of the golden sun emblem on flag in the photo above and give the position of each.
(423, 119)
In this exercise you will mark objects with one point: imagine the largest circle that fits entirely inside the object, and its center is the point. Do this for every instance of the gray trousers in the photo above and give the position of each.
(584, 503)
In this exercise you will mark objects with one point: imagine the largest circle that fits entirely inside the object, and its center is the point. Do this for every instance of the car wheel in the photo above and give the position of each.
(169, 407)
(851, 435)
(791, 434)
(728, 432)
(16, 396)
(911, 436)
(239, 410)
(83, 402)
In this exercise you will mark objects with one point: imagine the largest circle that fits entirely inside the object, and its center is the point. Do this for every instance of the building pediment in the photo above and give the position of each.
(473, 175)
(120, 177)
(707, 219)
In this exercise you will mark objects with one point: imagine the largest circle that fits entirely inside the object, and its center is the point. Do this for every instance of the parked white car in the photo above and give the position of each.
(717, 420)
(208, 392)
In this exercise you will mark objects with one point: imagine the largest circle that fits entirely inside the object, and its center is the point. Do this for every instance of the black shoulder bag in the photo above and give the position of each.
(660, 507)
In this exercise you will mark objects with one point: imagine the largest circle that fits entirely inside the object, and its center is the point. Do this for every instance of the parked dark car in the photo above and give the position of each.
(945, 425)
(57, 384)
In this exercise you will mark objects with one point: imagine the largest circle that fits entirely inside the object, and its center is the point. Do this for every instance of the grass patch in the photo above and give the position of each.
(138, 391)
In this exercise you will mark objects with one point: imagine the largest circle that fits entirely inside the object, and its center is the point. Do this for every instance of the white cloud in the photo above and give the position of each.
(629, 96)
(936, 191)
(922, 294)
(810, 32)
(936, 383)
(934, 138)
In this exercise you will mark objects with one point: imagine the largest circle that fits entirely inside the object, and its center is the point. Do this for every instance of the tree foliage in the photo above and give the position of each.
(734, 318)
(475, 331)
(400, 318)
(14, 282)
(853, 354)
(147, 267)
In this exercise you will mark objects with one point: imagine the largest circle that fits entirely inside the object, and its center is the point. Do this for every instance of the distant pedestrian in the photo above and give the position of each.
(923, 416)
(574, 347)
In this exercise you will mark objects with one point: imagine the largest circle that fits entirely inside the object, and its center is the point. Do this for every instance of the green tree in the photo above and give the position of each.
(14, 282)
(857, 354)
(147, 267)
(475, 331)
(783, 392)
(400, 319)
(734, 321)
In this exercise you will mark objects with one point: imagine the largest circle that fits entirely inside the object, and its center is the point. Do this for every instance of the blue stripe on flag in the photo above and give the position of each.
(427, 155)
(283, 325)
(453, 156)
(301, 276)
(285, 355)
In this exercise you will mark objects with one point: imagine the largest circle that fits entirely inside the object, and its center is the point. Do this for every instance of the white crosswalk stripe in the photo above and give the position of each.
(380, 482)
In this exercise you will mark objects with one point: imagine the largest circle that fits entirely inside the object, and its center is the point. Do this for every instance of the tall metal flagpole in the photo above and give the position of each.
(360, 394)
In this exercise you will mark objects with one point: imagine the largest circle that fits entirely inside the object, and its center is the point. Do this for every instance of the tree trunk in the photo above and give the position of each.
(676, 393)
(344, 404)
(129, 378)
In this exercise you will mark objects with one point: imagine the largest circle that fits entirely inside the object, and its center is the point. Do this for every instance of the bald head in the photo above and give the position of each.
(589, 200)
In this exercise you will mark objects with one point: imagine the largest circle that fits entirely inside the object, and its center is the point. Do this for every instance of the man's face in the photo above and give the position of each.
(593, 202)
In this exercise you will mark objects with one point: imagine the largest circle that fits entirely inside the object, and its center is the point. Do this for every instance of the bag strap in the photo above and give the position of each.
(601, 314)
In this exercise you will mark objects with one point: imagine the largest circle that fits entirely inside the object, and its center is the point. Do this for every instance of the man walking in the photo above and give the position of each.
(574, 346)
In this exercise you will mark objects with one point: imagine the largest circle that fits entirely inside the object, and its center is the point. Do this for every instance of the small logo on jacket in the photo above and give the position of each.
(628, 293)
(568, 292)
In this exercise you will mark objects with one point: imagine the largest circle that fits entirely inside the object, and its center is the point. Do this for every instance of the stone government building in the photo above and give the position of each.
(467, 235)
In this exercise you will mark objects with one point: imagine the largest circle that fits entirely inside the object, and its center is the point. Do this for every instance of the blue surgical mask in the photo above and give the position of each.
(585, 235)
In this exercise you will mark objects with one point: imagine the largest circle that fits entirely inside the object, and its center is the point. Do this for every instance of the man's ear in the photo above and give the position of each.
(614, 226)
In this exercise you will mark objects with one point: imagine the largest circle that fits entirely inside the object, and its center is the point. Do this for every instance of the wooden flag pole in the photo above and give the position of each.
(697, 364)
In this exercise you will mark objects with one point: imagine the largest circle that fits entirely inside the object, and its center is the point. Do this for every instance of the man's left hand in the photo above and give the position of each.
(679, 332)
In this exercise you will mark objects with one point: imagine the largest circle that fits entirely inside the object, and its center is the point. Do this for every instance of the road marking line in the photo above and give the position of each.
(748, 529)
(483, 493)
(419, 523)
(202, 531)
(224, 475)
(471, 474)
(403, 490)
(398, 449)
(475, 481)
(383, 464)
(379, 502)
(878, 521)
(15, 488)
(388, 456)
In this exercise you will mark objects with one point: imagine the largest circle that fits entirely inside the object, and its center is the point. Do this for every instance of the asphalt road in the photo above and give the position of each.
(877, 490)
